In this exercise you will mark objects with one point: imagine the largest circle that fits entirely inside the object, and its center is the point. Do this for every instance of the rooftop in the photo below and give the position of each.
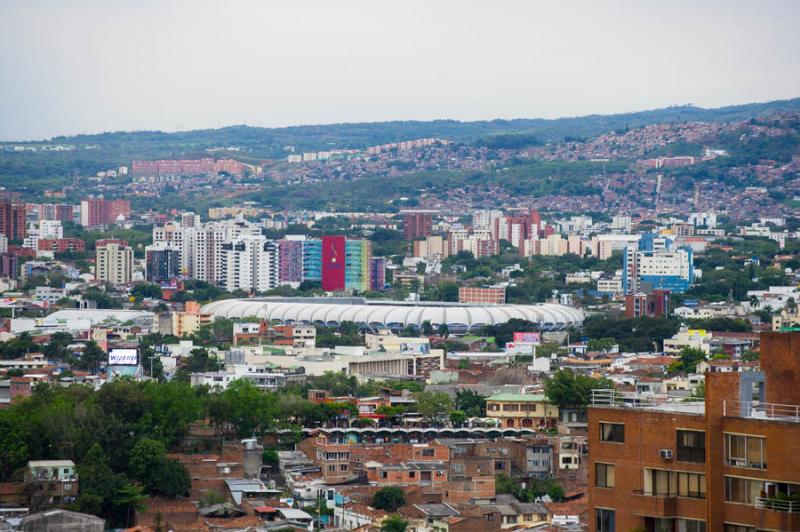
(51, 463)
(519, 397)
(609, 398)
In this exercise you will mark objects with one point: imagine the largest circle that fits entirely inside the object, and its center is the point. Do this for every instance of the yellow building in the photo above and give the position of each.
(522, 410)
(187, 323)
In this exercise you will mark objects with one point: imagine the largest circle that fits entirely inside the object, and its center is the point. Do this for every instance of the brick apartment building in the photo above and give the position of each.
(61, 245)
(428, 466)
(417, 224)
(487, 296)
(97, 212)
(652, 305)
(12, 219)
(727, 463)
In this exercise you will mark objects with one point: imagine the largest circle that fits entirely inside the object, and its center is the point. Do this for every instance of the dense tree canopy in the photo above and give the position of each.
(569, 389)
(389, 498)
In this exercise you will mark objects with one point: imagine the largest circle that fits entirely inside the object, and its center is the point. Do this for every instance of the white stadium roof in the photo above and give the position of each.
(392, 314)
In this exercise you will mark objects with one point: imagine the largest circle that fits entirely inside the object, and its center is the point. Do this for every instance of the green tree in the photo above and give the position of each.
(104, 493)
(247, 409)
(433, 405)
(91, 357)
(458, 418)
(750, 356)
(394, 523)
(569, 389)
(145, 291)
(147, 456)
(172, 479)
(389, 498)
(688, 360)
(471, 403)
(601, 344)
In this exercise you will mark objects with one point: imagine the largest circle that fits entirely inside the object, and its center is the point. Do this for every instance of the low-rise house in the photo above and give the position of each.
(532, 458)
(406, 474)
(514, 513)
(522, 410)
(353, 515)
(474, 519)
(51, 483)
(262, 376)
(691, 338)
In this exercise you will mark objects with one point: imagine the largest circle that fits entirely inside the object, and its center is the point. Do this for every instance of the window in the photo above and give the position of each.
(427, 452)
(384, 474)
(743, 490)
(343, 467)
(604, 520)
(604, 475)
(691, 485)
(745, 451)
(691, 446)
(613, 432)
(658, 525)
(664, 483)
(689, 525)
(740, 528)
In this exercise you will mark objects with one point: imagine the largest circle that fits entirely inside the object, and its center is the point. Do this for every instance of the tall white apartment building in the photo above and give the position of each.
(200, 245)
(486, 218)
(248, 263)
(50, 229)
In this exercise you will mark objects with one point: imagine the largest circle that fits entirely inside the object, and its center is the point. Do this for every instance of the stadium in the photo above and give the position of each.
(374, 314)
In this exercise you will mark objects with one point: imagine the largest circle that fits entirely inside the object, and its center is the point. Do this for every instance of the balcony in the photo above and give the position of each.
(679, 404)
(652, 505)
(778, 505)
(759, 410)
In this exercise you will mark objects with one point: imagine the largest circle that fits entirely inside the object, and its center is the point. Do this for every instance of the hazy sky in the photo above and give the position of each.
(87, 66)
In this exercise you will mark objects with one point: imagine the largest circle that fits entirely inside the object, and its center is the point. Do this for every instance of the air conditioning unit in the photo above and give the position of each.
(666, 454)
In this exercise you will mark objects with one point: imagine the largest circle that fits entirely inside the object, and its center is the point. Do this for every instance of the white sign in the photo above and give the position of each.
(123, 357)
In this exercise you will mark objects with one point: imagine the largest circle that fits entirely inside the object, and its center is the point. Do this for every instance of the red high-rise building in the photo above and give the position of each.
(333, 263)
(417, 224)
(12, 219)
(99, 211)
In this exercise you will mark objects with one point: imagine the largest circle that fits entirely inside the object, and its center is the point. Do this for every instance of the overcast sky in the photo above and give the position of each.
(87, 66)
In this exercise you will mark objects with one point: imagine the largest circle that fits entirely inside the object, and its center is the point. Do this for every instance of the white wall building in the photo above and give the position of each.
(249, 263)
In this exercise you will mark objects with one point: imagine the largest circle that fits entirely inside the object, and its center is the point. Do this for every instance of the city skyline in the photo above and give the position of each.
(178, 66)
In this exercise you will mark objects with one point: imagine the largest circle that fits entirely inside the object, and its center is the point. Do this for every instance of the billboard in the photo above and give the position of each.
(527, 338)
(522, 349)
(123, 357)
(421, 348)
(333, 263)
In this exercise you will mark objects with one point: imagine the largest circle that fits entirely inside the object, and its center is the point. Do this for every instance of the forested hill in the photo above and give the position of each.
(267, 142)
